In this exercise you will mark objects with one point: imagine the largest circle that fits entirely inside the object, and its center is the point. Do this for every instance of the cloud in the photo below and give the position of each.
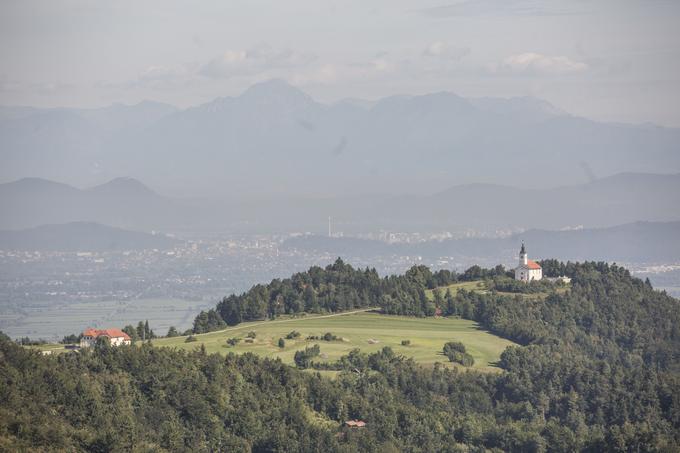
(233, 63)
(261, 60)
(539, 64)
(439, 49)
(330, 73)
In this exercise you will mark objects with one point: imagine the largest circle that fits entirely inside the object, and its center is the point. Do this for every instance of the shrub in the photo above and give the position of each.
(233, 341)
(455, 351)
(325, 337)
(282, 343)
(251, 334)
(292, 335)
(452, 346)
(405, 342)
(190, 339)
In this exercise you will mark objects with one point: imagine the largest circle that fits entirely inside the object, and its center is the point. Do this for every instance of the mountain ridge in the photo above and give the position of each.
(127, 202)
(424, 141)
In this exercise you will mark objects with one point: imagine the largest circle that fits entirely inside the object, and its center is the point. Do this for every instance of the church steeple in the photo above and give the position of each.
(523, 259)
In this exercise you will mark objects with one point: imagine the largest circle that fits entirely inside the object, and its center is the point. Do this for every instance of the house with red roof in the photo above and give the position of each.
(528, 270)
(116, 337)
(355, 423)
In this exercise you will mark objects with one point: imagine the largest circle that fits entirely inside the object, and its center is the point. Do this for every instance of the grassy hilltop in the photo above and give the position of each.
(363, 330)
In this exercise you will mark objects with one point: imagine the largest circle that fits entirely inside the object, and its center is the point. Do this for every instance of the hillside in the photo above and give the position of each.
(369, 332)
(121, 202)
(588, 355)
(82, 236)
(427, 142)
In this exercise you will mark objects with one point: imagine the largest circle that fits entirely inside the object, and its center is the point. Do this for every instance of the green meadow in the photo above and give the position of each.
(367, 331)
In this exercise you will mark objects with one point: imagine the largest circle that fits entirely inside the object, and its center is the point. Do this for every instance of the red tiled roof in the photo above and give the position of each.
(111, 333)
(533, 264)
(355, 423)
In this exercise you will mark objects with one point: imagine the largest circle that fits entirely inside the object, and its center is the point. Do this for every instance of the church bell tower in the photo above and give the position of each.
(523, 256)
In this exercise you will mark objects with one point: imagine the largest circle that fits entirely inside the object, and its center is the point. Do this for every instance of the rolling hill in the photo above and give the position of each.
(122, 202)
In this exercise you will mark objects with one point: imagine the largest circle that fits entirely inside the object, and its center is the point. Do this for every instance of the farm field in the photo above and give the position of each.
(364, 330)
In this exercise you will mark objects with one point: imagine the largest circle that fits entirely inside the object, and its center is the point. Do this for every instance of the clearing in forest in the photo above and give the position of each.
(367, 331)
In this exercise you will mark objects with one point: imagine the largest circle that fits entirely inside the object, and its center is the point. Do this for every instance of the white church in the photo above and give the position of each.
(527, 270)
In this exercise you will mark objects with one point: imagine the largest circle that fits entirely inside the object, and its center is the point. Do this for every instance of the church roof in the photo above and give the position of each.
(531, 264)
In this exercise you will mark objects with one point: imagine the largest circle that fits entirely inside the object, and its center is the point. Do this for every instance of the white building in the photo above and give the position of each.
(527, 270)
(116, 337)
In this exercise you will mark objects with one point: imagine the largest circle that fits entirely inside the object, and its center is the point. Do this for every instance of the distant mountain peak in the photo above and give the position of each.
(276, 91)
(521, 107)
(36, 183)
(125, 185)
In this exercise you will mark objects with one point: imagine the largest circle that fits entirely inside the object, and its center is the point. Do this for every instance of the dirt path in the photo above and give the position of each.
(247, 326)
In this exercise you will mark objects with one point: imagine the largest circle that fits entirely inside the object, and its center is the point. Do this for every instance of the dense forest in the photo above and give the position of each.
(598, 369)
(338, 287)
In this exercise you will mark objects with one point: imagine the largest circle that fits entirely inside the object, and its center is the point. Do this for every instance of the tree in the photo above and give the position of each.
(282, 343)
(438, 299)
(71, 339)
(172, 332)
(303, 359)
(131, 331)
(141, 332)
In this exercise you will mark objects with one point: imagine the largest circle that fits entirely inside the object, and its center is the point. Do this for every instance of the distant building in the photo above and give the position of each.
(116, 337)
(527, 270)
(355, 423)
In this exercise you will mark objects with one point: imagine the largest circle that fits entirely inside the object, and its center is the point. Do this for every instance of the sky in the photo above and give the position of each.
(606, 60)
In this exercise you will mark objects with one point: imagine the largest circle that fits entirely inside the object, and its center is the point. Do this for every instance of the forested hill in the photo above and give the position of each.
(599, 370)
(338, 287)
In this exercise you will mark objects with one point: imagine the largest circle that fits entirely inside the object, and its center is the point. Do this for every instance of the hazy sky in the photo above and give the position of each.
(612, 60)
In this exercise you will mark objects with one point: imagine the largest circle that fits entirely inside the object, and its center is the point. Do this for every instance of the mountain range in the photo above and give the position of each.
(128, 203)
(275, 140)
